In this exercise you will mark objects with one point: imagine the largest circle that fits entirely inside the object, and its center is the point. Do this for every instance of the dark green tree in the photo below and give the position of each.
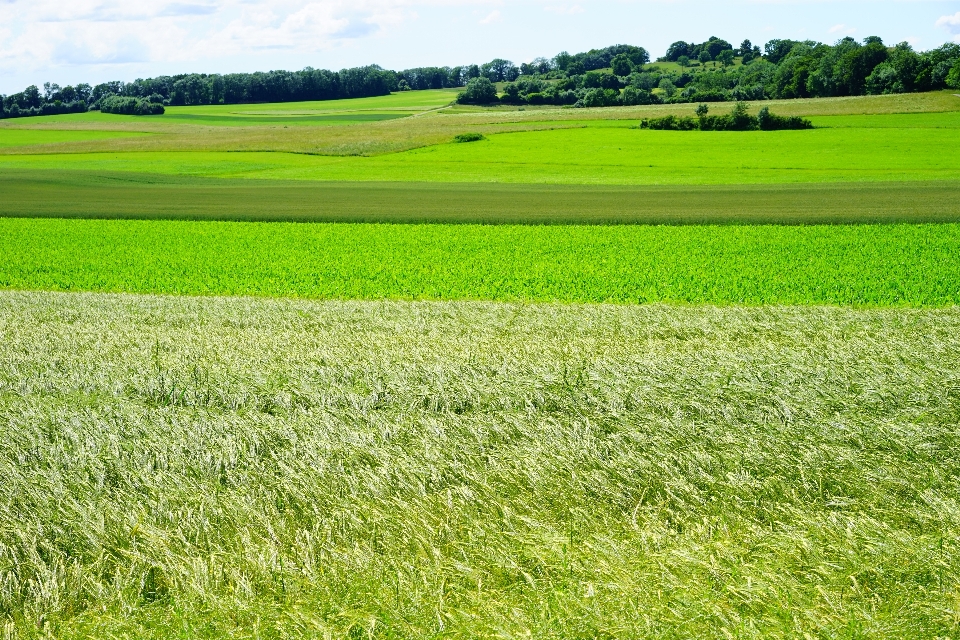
(621, 65)
(478, 91)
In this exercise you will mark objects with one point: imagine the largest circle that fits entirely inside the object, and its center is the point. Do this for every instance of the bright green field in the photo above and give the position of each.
(872, 265)
(587, 155)
(21, 137)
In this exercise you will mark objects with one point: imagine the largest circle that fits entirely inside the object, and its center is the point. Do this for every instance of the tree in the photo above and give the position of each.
(856, 65)
(776, 50)
(668, 87)
(726, 57)
(500, 70)
(683, 61)
(677, 49)
(622, 65)
(745, 47)
(702, 110)
(953, 78)
(478, 91)
(705, 57)
(562, 60)
(715, 46)
(600, 98)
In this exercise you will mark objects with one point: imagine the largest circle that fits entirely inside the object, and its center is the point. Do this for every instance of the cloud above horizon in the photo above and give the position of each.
(41, 33)
(97, 40)
(951, 24)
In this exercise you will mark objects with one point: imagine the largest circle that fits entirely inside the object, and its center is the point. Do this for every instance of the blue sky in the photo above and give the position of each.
(98, 40)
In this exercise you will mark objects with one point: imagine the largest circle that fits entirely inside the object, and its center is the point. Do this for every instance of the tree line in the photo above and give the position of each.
(709, 71)
(716, 71)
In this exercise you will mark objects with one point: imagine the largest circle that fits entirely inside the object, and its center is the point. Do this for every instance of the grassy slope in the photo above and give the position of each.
(373, 138)
(237, 468)
(913, 265)
(888, 147)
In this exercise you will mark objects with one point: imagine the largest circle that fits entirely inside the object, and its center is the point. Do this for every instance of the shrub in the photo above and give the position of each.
(770, 122)
(633, 96)
(478, 91)
(469, 137)
(737, 120)
(671, 123)
(749, 92)
(130, 106)
(599, 98)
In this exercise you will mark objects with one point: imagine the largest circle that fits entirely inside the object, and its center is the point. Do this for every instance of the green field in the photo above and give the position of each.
(575, 380)
(216, 468)
(881, 148)
(90, 194)
(874, 265)
(28, 137)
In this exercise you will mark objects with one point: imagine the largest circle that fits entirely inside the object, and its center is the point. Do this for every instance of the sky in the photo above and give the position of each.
(72, 41)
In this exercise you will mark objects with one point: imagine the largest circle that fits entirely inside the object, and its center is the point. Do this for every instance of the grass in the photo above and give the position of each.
(903, 147)
(400, 134)
(32, 137)
(86, 194)
(412, 100)
(441, 446)
(183, 468)
(869, 265)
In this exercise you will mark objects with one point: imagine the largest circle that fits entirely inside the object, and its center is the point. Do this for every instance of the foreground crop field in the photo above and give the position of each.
(179, 467)
(875, 265)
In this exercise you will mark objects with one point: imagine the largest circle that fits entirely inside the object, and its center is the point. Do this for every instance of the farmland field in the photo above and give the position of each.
(875, 265)
(202, 468)
(316, 370)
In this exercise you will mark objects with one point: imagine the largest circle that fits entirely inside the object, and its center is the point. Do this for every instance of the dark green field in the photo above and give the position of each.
(78, 194)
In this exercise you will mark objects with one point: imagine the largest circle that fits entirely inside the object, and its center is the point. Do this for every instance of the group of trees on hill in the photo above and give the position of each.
(715, 71)
(710, 71)
(199, 89)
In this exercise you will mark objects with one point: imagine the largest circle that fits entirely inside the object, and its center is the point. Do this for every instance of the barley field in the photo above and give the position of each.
(183, 467)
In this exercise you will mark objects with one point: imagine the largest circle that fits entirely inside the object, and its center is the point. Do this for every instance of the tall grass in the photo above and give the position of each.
(178, 467)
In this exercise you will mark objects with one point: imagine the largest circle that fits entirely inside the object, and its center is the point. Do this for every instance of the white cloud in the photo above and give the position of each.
(951, 23)
(564, 10)
(841, 29)
(493, 16)
(39, 34)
